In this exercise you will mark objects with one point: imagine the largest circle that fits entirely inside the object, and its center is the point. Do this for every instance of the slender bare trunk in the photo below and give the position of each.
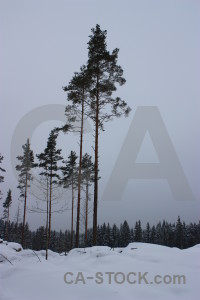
(79, 175)
(50, 204)
(47, 239)
(24, 218)
(72, 221)
(86, 214)
(96, 168)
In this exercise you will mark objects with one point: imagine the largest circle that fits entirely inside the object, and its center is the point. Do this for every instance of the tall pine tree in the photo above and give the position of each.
(48, 160)
(6, 206)
(104, 74)
(25, 177)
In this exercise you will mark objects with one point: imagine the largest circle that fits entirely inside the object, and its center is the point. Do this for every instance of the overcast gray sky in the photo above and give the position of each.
(44, 42)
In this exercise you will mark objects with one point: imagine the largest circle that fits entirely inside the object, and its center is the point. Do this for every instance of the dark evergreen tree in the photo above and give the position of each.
(159, 234)
(104, 74)
(153, 235)
(61, 242)
(89, 238)
(164, 232)
(39, 239)
(147, 233)
(2, 228)
(14, 233)
(67, 239)
(191, 234)
(25, 177)
(99, 236)
(105, 235)
(138, 232)
(132, 235)
(6, 206)
(184, 238)
(115, 236)
(179, 234)
(125, 234)
(53, 241)
(167, 233)
(27, 237)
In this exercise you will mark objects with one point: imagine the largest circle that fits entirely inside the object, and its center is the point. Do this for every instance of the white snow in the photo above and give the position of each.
(26, 275)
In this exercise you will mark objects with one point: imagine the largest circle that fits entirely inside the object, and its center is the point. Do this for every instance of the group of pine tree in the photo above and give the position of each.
(89, 95)
(177, 234)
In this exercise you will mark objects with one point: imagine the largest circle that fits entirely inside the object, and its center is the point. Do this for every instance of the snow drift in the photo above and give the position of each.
(139, 271)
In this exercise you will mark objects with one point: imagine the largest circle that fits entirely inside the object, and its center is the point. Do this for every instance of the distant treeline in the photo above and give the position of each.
(168, 234)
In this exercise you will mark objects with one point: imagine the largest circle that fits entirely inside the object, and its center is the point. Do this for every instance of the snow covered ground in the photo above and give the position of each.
(118, 274)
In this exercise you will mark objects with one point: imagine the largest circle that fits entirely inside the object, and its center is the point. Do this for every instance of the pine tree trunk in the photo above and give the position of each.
(47, 238)
(96, 169)
(72, 226)
(50, 204)
(79, 175)
(24, 218)
(86, 214)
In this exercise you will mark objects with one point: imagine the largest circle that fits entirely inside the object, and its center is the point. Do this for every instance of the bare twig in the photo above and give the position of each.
(6, 259)
(36, 255)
